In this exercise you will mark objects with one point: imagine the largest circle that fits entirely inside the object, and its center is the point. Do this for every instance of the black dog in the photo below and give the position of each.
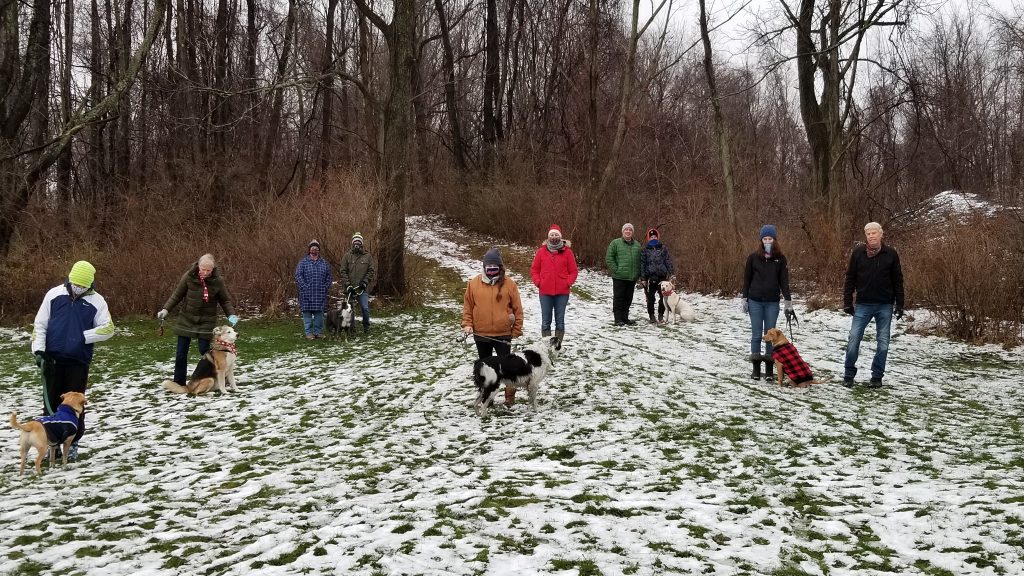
(339, 320)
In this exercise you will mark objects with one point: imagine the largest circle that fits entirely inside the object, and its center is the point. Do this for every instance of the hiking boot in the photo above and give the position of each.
(545, 333)
(629, 322)
(652, 320)
(848, 381)
(875, 383)
(661, 319)
(559, 334)
(755, 374)
(769, 371)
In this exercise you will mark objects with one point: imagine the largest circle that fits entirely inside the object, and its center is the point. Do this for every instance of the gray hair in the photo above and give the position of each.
(873, 226)
(207, 259)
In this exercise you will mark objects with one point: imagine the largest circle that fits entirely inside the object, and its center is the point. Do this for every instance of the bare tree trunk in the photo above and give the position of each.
(64, 162)
(724, 147)
(491, 127)
(327, 68)
(274, 123)
(370, 112)
(593, 171)
(451, 99)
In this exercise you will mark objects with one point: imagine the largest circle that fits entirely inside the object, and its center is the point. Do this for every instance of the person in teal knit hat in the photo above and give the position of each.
(72, 318)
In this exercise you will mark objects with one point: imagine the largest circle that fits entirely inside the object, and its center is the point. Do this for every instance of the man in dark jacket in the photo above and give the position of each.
(875, 274)
(357, 273)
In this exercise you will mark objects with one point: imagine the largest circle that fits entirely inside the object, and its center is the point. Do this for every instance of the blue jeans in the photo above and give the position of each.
(313, 322)
(181, 356)
(763, 315)
(364, 304)
(862, 314)
(553, 303)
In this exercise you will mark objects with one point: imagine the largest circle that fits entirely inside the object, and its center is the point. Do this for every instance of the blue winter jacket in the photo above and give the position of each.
(314, 280)
(655, 262)
(66, 327)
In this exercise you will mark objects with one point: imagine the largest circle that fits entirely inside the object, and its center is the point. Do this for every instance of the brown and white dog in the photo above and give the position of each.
(215, 369)
(788, 362)
(62, 426)
(677, 307)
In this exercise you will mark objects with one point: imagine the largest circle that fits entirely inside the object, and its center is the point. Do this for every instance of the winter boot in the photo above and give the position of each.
(510, 396)
(755, 359)
(653, 321)
(559, 334)
(769, 369)
(545, 333)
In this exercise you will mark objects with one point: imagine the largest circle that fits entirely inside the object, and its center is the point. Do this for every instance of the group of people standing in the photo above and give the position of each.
(313, 276)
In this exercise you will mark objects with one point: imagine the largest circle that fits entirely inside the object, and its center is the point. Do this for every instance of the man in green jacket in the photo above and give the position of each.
(357, 273)
(623, 259)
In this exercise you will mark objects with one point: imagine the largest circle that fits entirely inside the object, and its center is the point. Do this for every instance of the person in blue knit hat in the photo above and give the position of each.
(765, 276)
(72, 317)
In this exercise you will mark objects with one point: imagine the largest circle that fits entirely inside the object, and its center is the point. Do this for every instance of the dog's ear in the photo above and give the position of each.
(555, 343)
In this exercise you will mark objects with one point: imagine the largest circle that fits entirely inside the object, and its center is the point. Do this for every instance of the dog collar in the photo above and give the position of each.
(669, 293)
(227, 346)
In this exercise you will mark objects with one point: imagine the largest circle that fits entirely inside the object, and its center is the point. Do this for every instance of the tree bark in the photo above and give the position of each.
(451, 99)
(722, 130)
(274, 123)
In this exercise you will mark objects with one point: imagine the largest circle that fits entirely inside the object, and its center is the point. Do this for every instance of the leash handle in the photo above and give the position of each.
(160, 329)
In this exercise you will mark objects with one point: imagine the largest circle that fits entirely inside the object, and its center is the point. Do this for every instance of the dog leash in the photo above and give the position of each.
(160, 330)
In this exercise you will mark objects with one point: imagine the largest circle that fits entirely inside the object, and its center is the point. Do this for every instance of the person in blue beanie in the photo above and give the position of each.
(765, 276)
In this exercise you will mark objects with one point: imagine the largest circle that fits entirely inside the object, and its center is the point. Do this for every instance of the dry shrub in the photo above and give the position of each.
(970, 276)
(156, 237)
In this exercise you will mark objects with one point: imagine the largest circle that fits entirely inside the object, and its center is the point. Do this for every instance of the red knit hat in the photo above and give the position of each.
(555, 228)
(653, 232)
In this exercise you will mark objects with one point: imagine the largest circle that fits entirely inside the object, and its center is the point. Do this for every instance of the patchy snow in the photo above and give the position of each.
(651, 453)
(957, 205)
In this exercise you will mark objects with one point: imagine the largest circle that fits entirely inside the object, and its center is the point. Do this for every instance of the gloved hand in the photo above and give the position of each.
(898, 313)
(162, 314)
(790, 314)
(232, 319)
(39, 359)
(744, 306)
(362, 285)
(848, 310)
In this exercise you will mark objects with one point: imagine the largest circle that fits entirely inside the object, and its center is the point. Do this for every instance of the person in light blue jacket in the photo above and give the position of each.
(71, 319)
(313, 275)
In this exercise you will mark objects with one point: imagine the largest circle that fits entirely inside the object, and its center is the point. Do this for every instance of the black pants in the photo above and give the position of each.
(654, 287)
(59, 378)
(487, 345)
(622, 298)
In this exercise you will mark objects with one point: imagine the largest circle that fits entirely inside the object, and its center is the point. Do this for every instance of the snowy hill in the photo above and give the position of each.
(651, 453)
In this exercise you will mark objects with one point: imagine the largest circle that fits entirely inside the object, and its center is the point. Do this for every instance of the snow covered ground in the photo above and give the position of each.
(651, 453)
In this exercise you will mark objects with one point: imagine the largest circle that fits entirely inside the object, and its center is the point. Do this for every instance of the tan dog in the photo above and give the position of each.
(34, 434)
(215, 369)
(788, 362)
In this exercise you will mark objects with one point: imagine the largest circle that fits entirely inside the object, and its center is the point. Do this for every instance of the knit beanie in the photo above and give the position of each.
(769, 230)
(492, 258)
(311, 244)
(82, 274)
(357, 237)
(653, 233)
(555, 228)
(627, 225)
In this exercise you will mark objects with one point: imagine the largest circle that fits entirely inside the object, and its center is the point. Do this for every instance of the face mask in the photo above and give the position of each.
(767, 247)
(492, 271)
(79, 290)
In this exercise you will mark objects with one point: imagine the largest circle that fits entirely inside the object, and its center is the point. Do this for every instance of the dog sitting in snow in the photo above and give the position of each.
(788, 362)
(339, 319)
(523, 369)
(215, 369)
(45, 433)
(677, 307)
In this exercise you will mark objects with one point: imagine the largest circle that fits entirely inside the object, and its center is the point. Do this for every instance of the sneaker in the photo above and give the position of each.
(629, 322)
(310, 337)
(875, 383)
(848, 381)
(73, 453)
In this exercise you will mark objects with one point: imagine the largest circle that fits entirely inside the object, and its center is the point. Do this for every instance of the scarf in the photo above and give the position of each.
(654, 243)
(872, 252)
(227, 346)
(206, 291)
(555, 247)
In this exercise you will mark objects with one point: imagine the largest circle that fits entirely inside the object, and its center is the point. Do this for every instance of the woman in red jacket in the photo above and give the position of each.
(553, 272)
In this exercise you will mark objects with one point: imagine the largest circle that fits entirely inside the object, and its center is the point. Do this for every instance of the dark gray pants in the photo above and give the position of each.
(622, 298)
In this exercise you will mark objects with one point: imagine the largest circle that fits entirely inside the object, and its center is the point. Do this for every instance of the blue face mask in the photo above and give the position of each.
(767, 247)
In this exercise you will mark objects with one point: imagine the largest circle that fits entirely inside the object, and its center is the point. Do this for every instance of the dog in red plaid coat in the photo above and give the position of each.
(788, 362)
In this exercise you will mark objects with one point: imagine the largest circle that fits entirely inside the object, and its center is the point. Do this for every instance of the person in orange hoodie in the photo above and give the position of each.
(492, 312)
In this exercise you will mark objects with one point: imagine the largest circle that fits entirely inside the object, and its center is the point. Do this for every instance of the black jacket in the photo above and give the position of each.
(877, 280)
(764, 278)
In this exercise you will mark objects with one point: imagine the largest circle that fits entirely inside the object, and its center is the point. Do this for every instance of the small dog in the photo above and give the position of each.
(523, 369)
(339, 319)
(677, 307)
(215, 369)
(788, 362)
(48, 432)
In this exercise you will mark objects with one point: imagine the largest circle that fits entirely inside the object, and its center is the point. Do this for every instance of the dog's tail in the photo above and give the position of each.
(14, 423)
(175, 387)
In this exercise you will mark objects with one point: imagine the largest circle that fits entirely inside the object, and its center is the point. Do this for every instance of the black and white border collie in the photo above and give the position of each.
(523, 369)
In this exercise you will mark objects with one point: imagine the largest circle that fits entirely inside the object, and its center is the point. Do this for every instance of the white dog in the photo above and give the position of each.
(677, 307)
(523, 369)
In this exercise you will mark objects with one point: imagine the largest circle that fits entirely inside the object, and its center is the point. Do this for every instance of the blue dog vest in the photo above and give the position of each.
(62, 425)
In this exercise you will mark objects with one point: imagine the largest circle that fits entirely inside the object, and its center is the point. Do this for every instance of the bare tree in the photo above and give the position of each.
(724, 144)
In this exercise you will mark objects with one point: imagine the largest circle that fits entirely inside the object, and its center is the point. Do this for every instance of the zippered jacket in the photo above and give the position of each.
(197, 317)
(764, 277)
(877, 280)
(66, 327)
(553, 273)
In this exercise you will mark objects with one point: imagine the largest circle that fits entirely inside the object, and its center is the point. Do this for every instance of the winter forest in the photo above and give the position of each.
(140, 134)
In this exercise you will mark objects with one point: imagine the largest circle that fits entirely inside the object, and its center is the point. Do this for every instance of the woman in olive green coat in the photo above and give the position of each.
(199, 292)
